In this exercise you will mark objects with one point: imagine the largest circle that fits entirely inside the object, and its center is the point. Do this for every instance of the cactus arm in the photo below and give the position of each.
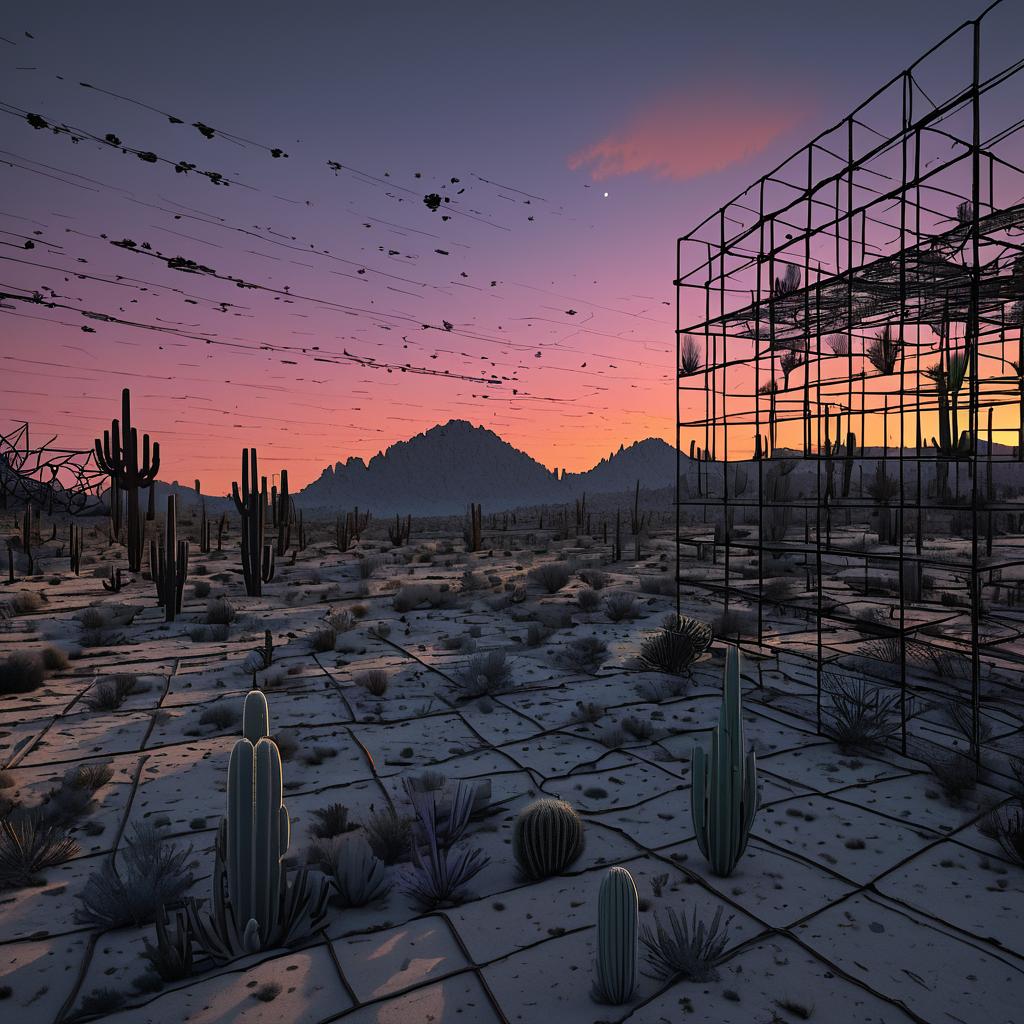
(239, 831)
(255, 717)
(267, 836)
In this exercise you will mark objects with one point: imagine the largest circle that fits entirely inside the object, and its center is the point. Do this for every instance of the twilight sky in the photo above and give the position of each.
(278, 304)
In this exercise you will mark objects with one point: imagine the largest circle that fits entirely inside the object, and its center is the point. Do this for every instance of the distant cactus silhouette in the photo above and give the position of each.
(118, 455)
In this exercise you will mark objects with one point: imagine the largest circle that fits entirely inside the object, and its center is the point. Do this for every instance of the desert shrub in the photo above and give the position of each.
(100, 1002)
(551, 576)
(201, 588)
(956, 773)
(689, 951)
(664, 585)
(675, 647)
(331, 821)
(859, 717)
(536, 634)
(584, 654)
(54, 659)
(171, 958)
(588, 599)
(110, 694)
(642, 729)
(621, 606)
(366, 567)
(594, 578)
(93, 618)
(374, 681)
(220, 612)
(324, 640)
(25, 602)
(21, 673)
(209, 634)
(1008, 830)
(660, 689)
(486, 673)
(586, 713)
(29, 844)
(222, 715)
(416, 595)
(735, 623)
(389, 834)
(154, 874)
(358, 876)
(341, 621)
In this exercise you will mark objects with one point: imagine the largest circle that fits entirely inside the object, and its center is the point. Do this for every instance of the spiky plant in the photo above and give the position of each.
(676, 646)
(685, 950)
(859, 717)
(690, 359)
(884, 351)
(29, 844)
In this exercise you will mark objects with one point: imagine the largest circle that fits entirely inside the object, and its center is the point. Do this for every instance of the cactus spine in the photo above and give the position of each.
(546, 838)
(618, 914)
(256, 831)
(251, 504)
(117, 455)
(724, 795)
(169, 564)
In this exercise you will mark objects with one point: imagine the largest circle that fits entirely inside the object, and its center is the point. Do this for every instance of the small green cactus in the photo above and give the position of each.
(618, 917)
(724, 794)
(546, 838)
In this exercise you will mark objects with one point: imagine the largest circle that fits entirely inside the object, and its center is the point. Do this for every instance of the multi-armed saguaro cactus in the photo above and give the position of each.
(254, 907)
(169, 563)
(117, 454)
(618, 913)
(724, 793)
(399, 533)
(251, 504)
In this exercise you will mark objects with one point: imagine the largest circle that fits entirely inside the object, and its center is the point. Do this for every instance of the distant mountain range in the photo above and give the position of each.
(440, 471)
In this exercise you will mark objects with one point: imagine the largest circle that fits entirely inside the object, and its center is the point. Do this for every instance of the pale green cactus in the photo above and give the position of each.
(257, 830)
(617, 924)
(724, 792)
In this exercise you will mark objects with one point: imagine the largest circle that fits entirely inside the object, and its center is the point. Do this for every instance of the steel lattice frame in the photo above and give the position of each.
(873, 284)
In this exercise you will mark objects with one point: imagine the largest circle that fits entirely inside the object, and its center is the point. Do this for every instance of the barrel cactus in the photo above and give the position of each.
(724, 794)
(617, 922)
(546, 838)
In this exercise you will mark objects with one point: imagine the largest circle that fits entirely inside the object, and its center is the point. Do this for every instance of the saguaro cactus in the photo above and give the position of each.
(26, 539)
(117, 454)
(399, 533)
(169, 563)
(251, 504)
(473, 529)
(284, 516)
(617, 926)
(75, 548)
(724, 792)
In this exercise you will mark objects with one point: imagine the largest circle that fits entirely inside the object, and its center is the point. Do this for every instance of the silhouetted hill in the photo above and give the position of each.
(443, 469)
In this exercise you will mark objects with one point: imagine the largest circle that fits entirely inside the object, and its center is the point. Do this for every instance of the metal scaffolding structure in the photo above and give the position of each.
(850, 387)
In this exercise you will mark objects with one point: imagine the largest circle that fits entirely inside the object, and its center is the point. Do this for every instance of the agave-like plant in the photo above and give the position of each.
(884, 351)
(689, 357)
(685, 950)
(676, 646)
(30, 844)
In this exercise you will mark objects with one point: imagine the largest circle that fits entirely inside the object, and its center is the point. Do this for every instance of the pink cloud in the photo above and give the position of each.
(685, 136)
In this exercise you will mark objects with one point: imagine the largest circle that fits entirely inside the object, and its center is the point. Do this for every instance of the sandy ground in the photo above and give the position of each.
(865, 895)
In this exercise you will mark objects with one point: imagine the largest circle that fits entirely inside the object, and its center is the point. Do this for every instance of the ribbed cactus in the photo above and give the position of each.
(617, 926)
(257, 829)
(169, 563)
(724, 793)
(546, 838)
(117, 455)
(251, 504)
(284, 516)
(472, 531)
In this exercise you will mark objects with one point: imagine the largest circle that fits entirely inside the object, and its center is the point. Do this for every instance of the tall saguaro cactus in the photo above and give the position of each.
(169, 563)
(251, 504)
(118, 455)
(724, 792)
(618, 914)
(284, 516)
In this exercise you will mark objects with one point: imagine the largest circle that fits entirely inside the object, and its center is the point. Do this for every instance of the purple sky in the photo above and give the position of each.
(670, 108)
